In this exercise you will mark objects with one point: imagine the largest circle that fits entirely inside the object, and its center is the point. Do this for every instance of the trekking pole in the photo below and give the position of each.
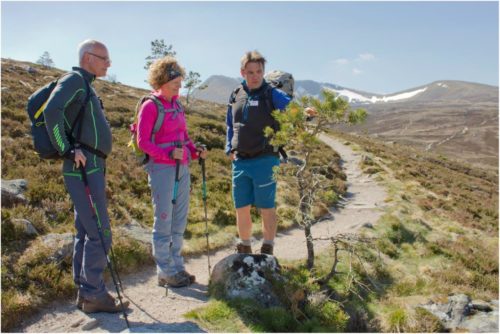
(204, 196)
(99, 227)
(113, 259)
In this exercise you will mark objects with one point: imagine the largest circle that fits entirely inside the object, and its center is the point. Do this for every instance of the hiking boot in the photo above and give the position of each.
(243, 249)
(266, 249)
(108, 304)
(79, 300)
(192, 278)
(176, 281)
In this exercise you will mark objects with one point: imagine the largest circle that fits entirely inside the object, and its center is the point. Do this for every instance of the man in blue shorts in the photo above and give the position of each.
(253, 158)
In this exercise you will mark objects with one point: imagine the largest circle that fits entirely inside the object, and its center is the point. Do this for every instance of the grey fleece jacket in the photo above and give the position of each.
(62, 109)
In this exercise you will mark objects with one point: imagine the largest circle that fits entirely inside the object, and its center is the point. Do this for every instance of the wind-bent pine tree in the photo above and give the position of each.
(159, 49)
(191, 83)
(296, 131)
(45, 60)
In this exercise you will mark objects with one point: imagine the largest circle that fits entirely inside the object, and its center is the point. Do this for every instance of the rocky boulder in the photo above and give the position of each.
(61, 246)
(248, 276)
(460, 313)
(25, 226)
(12, 192)
(135, 231)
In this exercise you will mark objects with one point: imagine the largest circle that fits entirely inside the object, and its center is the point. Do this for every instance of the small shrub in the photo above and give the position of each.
(426, 322)
(224, 218)
(387, 247)
(276, 319)
(397, 320)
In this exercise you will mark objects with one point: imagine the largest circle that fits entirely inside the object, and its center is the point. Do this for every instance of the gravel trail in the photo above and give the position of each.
(152, 310)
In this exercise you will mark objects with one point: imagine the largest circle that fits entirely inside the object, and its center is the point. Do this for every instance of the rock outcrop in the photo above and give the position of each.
(460, 313)
(248, 276)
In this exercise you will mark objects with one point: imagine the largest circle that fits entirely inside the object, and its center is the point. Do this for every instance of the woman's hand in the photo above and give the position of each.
(178, 153)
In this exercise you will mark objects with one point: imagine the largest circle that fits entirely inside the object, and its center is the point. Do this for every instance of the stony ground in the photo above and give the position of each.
(155, 309)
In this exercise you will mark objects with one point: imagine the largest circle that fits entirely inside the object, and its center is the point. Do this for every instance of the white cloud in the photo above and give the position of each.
(365, 57)
(341, 61)
(356, 71)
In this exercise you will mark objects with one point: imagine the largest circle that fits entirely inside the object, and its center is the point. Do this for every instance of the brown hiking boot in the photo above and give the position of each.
(243, 249)
(266, 249)
(79, 301)
(176, 281)
(107, 303)
(192, 278)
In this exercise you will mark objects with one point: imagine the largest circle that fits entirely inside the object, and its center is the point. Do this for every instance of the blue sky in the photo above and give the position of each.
(378, 47)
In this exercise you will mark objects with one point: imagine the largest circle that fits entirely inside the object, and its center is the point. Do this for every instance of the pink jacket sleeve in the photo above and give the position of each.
(191, 147)
(145, 122)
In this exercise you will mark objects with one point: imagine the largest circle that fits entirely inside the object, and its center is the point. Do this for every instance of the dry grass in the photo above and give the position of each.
(50, 209)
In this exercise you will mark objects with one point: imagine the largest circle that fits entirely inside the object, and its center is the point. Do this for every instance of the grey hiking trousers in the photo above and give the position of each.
(168, 234)
(89, 259)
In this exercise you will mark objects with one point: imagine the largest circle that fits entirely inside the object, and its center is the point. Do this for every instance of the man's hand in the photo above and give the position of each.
(310, 112)
(232, 156)
(178, 153)
(80, 158)
(202, 151)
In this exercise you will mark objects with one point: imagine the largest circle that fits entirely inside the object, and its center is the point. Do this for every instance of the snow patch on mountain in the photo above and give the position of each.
(355, 97)
(440, 84)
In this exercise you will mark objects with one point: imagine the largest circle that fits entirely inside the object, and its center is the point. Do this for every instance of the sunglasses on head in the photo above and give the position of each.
(173, 74)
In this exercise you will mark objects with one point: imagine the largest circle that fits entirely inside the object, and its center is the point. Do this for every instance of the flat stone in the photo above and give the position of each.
(135, 231)
(77, 323)
(91, 324)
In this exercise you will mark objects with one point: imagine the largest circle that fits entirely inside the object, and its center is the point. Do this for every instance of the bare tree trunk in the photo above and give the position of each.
(310, 246)
(305, 210)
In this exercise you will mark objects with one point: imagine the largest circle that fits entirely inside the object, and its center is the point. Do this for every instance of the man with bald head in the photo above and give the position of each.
(79, 131)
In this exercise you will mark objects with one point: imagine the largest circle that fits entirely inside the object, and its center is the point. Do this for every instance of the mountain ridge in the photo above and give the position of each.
(219, 88)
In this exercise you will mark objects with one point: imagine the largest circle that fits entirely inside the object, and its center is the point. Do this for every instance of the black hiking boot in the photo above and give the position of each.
(243, 249)
(107, 303)
(266, 249)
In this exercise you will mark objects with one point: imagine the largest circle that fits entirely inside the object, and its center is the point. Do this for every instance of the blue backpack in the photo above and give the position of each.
(35, 109)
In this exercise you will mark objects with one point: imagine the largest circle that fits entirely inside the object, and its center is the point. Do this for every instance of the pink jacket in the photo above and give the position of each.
(172, 129)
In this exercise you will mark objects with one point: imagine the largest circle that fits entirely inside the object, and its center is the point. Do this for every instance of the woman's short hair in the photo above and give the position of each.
(252, 57)
(163, 70)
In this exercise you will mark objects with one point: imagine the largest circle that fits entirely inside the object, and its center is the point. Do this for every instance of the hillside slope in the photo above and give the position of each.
(31, 274)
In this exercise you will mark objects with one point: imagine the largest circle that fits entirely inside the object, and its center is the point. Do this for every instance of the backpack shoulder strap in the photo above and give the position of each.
(79, 117)
(268, 97)
(161, 113)
(235, 92)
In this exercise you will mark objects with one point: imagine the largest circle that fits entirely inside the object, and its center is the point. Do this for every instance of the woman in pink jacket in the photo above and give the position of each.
(169, 144)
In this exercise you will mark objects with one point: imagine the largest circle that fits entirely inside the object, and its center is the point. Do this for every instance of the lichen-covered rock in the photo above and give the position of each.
(248, 276)
(460, 313)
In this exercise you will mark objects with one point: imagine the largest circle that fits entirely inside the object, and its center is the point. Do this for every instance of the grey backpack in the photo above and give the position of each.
(281, 80)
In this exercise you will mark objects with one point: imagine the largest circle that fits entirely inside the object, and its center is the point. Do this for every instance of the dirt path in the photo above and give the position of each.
(154, 311)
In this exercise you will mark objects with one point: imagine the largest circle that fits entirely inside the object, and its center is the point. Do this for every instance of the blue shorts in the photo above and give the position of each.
(254, 182)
